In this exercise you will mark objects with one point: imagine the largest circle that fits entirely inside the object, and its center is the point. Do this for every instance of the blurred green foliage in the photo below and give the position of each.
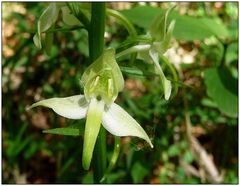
(208, 85)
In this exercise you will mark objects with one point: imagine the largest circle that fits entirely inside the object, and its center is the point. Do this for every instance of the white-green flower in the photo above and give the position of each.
(102, 81)
(151, 52)
(47, 21)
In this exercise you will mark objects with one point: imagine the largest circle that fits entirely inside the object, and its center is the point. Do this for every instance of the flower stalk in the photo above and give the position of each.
(96, 46)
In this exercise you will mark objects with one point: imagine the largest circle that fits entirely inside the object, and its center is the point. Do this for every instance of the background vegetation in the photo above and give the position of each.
(195, 133)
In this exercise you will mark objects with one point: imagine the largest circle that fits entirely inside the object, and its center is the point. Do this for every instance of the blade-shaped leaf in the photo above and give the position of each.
(222, 88)
(64, 131)
(74, 129)
(186, 28)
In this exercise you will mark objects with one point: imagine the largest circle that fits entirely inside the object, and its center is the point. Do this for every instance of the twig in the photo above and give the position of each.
(207, 168)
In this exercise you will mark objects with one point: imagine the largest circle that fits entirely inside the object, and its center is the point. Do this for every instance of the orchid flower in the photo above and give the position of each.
(102, 82)
(160, 37)
(47, 21)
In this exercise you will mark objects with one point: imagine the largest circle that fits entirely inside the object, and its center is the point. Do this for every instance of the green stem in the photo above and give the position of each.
(96, 46)
(113, 159)
(96, 31)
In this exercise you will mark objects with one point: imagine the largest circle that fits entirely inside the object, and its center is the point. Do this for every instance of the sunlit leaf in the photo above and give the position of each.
(63, 131)
(222, 88)
(138, 172)
(186, 28)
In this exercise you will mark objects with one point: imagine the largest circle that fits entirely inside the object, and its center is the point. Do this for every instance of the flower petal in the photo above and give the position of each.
(73, 107)
(118, 122)
(68, 18)
(93, 124)
(167, 87)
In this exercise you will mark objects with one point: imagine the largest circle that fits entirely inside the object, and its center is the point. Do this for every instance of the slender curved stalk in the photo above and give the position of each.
(128, 25)
(64, 29)
(125, 22)
(96, 46)
(113, 159)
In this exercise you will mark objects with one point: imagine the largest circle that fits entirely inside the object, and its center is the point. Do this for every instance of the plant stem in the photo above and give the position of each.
(96, 46)
(96, 31)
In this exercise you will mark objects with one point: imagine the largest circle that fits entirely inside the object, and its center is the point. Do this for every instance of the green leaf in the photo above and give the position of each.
(138, 172)
(115, 176)
(139, 18)
(173, 150)
(222, 88)
(208, 103)
(132, 71)
(190, 28)
(187, 156)
(87, 178)
(64, 131)
(73, 129)
(186, 27)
